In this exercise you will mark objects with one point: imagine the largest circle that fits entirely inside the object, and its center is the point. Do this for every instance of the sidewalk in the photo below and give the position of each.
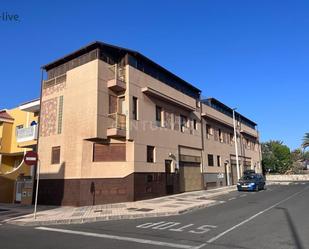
(162, 206)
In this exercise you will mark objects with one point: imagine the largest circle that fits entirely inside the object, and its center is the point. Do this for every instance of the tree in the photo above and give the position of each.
(298, 158)
(276, 157)
(305, 143)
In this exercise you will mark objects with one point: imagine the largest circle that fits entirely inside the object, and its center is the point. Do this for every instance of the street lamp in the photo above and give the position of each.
(235, 141)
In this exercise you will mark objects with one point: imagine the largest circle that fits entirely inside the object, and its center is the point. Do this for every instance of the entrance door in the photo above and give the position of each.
(234, 174)
(190, 176)
(18, 191)
(169, 177)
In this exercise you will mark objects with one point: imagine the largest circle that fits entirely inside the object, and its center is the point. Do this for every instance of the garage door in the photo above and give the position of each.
(190, 177)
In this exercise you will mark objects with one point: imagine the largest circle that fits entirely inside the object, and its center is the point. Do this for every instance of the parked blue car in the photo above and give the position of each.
(251, 182)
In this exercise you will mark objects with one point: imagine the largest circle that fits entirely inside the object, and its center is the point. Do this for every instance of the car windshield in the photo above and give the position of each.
(248, 177)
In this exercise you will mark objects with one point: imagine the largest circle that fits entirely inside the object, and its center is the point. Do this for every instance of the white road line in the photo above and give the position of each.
(233, 198)
(243, 195)
(254, 216)
(115, 237)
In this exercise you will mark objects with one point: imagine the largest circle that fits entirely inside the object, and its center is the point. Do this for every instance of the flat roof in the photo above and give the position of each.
(227, 108)
(31, 106)
(97, 44)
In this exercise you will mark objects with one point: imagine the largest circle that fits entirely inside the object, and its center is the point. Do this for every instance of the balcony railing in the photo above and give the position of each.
(117, 80)
(27, 134)
(117, 120)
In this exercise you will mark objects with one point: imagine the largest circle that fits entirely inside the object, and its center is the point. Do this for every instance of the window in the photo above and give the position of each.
(231, 138)
(208, 130)
(121, 105)
(210, 160)
(158, 115)
(183, 122)
(134, 109)
(218, 161)
(60, 113)
(55, 156)
(150, 154)
(18, 127)
(112, 152)
(112, 104)
(194, 124)
(220, 136)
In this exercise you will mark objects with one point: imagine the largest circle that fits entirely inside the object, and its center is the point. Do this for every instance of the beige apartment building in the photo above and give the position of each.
(115, 126)
(219, 155)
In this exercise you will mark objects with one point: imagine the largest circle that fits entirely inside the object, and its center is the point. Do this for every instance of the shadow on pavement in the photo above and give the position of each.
(293, 229)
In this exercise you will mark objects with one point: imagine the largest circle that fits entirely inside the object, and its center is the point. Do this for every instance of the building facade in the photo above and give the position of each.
(18, 134)
(115, 126)
(219, 155)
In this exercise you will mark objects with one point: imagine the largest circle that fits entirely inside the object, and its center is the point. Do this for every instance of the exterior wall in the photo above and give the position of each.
(86, 121)
(144, 131)
(20, 118)
(6, 137)
(283, 178)
(78, 179)
(11, 167)
(216, 176)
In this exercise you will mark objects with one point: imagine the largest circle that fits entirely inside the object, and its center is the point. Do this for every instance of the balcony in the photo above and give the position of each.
(27, 134)
(116, 125)
(117, 82)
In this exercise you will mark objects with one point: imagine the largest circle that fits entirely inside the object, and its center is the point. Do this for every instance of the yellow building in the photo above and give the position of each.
(18, 134)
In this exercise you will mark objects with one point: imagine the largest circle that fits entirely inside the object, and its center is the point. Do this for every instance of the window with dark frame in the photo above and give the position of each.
(194, 124)
(158, 115)
(55, 155)
(150, 154)
(210, 160)
(218, 161)
(208, 131)
(231, 138)
(220, 136)
(134, 109)
(183, 122)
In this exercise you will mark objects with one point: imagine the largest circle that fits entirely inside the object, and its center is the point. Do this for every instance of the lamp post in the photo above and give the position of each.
(235, 141)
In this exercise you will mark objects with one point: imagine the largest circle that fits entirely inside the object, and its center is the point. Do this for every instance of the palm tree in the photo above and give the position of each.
(306, 141)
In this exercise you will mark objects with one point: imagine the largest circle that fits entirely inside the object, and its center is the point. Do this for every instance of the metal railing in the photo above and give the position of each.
(26, 134)
(117, 120)
(118, 72)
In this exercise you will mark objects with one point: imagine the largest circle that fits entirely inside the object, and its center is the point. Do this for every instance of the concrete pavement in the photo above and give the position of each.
(163, 206)
(270, 219)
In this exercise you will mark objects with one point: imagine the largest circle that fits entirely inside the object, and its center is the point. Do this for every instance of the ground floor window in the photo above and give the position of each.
(109, 152)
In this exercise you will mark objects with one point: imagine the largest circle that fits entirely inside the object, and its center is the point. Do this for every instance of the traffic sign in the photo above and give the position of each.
(31, 158)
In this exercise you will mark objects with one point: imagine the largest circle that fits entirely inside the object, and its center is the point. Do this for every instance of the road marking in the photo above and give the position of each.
(166, 225)
(150, 224)
(243, 195)
(172, 226)
(254, 216)
(203, 229)
(233, 198)
(115, 237)
(181, 229)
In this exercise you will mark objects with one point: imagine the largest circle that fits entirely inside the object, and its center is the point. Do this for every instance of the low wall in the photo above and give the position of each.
(287, 177)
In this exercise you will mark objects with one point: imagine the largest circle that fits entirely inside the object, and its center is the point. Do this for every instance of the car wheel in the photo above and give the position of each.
(256, 188)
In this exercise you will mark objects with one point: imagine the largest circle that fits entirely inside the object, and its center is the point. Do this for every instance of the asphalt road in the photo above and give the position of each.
(276, 218)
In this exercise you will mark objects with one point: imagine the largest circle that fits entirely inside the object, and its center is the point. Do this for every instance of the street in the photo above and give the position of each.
(274, 218)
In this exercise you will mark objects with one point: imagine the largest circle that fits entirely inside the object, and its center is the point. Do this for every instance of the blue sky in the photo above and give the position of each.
(250, 54)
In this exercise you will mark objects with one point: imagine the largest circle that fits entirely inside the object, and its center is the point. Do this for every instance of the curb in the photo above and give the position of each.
(113, 217)
(124, 216)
